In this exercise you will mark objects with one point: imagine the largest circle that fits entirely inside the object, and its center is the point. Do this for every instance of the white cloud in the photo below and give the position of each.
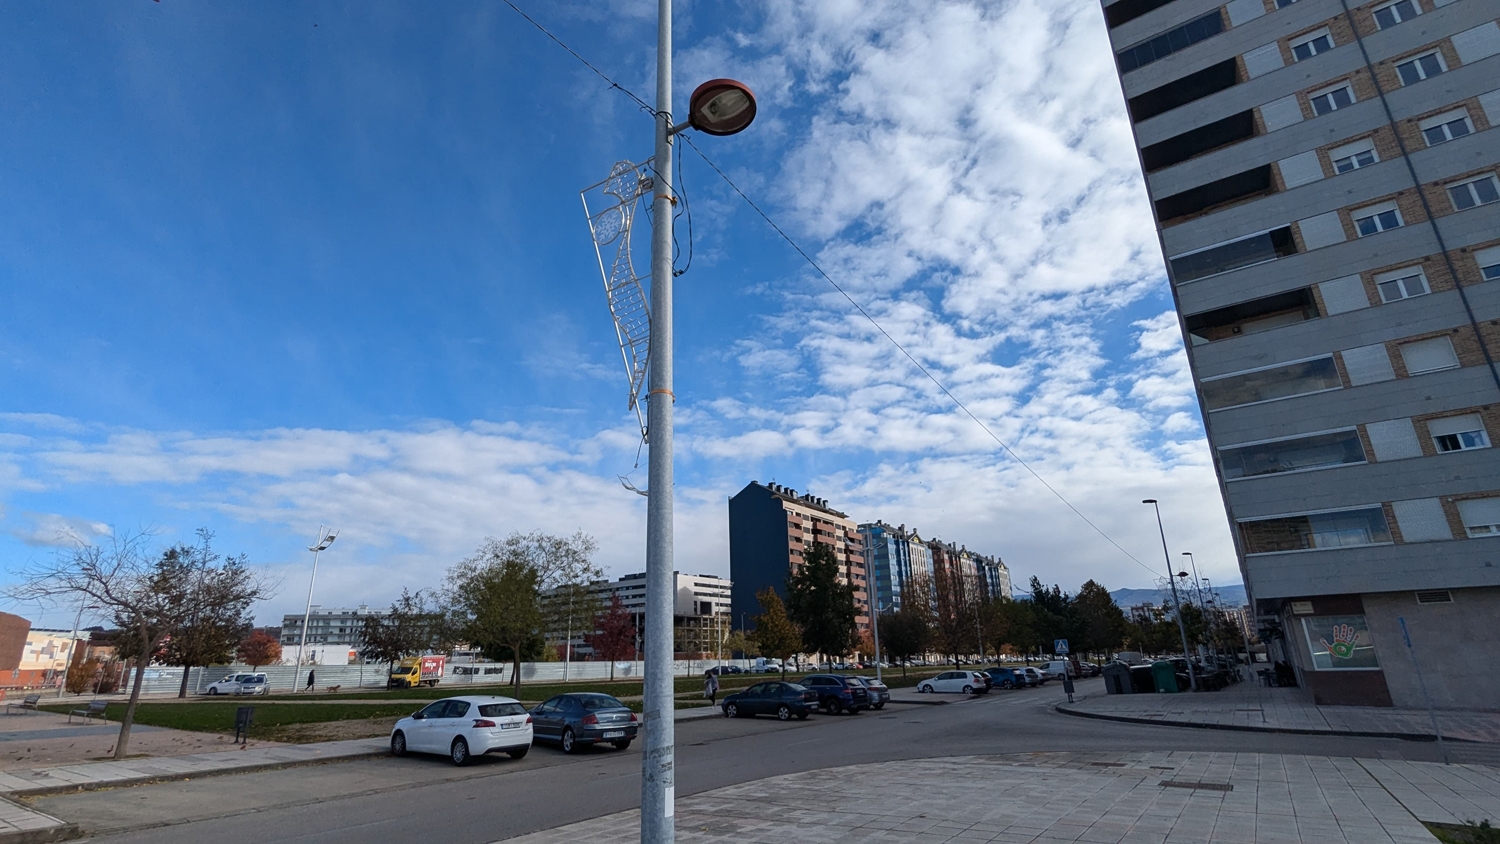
(52, 530)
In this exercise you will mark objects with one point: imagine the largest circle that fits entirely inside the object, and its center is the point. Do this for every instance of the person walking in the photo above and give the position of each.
(309, 681)
(711, 688)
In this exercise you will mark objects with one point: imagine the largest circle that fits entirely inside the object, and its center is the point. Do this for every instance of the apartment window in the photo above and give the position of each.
(1251, 317)
(1128, 10)
(1429, 355)
(1179, 148)
(1481, 516)
(1332, 99)
(1238, 187)
(1377, 218)
(1244, 252)
(1458, 433)
(1311, 44)
(1170, 42)
(1422, 67)
(1445, 127)
(1317, 451)
(1393, 13)
(1282, 4)
(1480, 191)
(1179, 92)
(1489, 263)
(1402, 284)
(1316, 531)
(1353, 156)
(1275, 382)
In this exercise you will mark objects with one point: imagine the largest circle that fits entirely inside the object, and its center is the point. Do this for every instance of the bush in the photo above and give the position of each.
(82, 676)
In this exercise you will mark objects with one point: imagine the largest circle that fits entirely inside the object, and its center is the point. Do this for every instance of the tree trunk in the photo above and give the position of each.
(515, 669)
(135, 698)
(186, 670)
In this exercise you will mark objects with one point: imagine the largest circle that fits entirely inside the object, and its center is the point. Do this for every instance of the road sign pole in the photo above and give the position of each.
(1422, 684)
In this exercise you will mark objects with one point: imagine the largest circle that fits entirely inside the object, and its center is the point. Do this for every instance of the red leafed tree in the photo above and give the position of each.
(259, 648)
(615, 638)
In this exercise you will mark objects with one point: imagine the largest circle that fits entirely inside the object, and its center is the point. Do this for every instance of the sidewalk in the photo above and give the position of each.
(1100, 798)
(1251, 707)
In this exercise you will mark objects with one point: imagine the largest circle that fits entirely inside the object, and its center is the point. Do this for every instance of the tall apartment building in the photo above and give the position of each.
(771, 528)
(332, 633)
(893, 555)
(1323, 175)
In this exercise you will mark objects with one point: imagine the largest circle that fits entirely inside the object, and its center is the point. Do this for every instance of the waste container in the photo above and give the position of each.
(1141, 679)
(1117, 679)
(1164, 674)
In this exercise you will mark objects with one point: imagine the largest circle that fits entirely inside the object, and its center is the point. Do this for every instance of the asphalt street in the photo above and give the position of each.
(428, 799)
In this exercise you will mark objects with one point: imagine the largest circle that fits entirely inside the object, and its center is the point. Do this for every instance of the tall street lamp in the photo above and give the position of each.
(1193, 562)
(72, 647)
(1177, 602)
(325, 539)
(875, 629)
(717, 107)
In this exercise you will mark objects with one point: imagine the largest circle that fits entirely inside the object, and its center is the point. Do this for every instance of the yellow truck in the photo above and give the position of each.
(416, 671)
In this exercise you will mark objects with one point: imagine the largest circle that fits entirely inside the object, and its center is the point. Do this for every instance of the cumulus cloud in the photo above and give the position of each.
(53, 530)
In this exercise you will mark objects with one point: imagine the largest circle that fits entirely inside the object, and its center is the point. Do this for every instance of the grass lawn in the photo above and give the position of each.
(269, 720)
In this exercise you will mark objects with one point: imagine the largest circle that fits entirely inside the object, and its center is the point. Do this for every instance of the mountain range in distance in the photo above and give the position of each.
(1229, 596)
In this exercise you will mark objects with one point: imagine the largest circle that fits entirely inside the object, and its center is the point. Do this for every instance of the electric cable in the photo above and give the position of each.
(826, 277)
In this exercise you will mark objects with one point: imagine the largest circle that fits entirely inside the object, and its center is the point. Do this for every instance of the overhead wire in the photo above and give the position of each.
(836, 286)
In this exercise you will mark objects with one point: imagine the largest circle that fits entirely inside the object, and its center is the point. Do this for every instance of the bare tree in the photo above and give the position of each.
(150, 596)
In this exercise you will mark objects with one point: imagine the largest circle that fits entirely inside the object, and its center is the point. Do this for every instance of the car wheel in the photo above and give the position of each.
(568, 743)
(834, 707)
(968, 690)
(459, 752)
(924, 689)
(854, 710)
(802, 716)
(731, 711)
(622, 745)
(1007, 685)
(519, 752)
(880, 706)
(784, 713)
(212, 690)
(398, 743)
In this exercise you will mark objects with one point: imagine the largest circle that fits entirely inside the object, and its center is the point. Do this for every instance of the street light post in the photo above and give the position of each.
(875, 630)
(1177, 602)
(325, 539)
(1192, 561)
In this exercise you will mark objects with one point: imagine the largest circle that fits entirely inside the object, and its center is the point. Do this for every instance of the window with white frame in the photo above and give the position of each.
(1480, 191)
(1481, 516)
(1458, 433)
(1311, 44)
(1377, 218)
(1489, 263)
(1421, 67)
(1332, 98)
(1390, 14)
(1402, 284)
(1431, 355)
(1441, 128)
(1353, 156)
(1282, 4)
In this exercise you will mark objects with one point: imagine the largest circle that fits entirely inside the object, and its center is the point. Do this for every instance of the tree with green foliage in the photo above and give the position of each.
(411, 627)
(1101, 621)
(775, 633)
(905, 633)
(821, 604)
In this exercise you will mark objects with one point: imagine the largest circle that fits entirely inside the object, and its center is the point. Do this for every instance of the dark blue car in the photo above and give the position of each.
(582, 718)
(774, 698)
(838, 692)
(1006, 678)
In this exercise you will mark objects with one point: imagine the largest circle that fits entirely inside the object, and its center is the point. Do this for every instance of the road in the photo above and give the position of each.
(427, 799)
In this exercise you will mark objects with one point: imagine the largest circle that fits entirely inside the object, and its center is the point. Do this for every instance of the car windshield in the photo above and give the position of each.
(593, 702)
(496, 710)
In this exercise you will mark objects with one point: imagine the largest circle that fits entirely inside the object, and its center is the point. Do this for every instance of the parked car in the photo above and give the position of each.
(838, 692)
(1007, 678)
(465, 727)
(880, 693)
(964, 682)
(1089, 669)
(772, 698)
(240, 684)
(1033, 676)
(576, 719)
(1057, 668)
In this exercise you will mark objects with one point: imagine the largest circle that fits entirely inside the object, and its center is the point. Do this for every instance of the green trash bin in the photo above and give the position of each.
(1165, 676)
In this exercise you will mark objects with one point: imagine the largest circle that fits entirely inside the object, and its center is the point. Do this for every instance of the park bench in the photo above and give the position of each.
(27, 704)
(95, 710)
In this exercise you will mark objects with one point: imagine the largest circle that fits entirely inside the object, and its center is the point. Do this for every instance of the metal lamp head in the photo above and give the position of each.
(721, 107)
(324, 542)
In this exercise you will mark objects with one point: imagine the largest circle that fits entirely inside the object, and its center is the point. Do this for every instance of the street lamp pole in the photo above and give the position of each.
(325, 539)
(1193, 561)
(875, 630)
(1177, 602)
(658, 762)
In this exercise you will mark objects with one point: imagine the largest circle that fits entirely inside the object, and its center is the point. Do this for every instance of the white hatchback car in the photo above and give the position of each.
(963, 682)
(465, 727)
(240, 684)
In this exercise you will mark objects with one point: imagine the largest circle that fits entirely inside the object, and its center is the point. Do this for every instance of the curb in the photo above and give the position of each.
(74, 788)
(921, 702)
(1156, 722)
(65, 832)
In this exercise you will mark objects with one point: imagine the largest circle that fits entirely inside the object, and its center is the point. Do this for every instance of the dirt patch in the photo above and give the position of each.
(354, 728)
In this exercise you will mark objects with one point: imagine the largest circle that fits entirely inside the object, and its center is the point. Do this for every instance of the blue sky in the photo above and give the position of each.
(262, 269)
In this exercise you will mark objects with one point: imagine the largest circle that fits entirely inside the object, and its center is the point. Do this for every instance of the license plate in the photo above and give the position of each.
(615, 734)
(510, 726)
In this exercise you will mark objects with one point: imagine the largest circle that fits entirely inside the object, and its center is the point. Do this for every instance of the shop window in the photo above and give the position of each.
(1340, 643)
